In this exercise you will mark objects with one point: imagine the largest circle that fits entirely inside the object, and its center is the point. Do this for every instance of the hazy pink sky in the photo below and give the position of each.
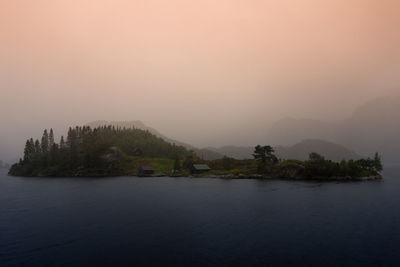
(195, 70)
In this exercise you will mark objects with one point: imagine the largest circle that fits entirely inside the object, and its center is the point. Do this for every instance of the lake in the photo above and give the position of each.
(127, 221)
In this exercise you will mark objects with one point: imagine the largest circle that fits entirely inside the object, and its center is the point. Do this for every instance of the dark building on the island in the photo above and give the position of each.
(138, 152)
(145, 171)
(199, 168)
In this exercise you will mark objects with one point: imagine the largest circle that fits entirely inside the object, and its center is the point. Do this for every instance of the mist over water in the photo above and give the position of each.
(205, 73)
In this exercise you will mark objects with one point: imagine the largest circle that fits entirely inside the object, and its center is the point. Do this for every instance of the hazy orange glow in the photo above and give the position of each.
(193, 69)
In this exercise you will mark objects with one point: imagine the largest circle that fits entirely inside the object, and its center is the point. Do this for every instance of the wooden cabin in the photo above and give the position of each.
(145, 171)
(199, 168)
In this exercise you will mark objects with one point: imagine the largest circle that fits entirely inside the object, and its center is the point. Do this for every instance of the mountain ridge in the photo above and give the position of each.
(299, 151)
(374, 126)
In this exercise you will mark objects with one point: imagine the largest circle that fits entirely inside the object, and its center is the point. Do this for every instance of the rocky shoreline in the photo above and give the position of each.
(228, 176)
(299, 178)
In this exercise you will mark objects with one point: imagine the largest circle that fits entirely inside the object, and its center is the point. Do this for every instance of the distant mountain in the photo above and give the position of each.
(374, 126)
(298, 151)
(202, 153)
(329, 150)
(208, 154)
(237, 152)
(289, 131)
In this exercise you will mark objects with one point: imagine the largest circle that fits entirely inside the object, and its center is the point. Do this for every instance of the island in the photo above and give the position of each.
(114, 151)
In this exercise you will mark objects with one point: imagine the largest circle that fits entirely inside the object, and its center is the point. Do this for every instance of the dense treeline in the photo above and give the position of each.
(91, 151)
(316, 165)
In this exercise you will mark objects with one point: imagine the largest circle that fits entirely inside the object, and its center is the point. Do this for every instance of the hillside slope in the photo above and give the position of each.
(202, 153)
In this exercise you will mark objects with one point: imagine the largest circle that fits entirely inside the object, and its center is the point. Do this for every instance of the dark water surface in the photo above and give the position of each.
(184, 222)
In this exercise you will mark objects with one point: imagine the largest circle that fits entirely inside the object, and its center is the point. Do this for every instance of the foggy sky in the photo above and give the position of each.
(198, 71)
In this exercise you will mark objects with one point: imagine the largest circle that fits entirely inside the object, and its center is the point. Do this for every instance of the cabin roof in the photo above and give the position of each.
(201, 167)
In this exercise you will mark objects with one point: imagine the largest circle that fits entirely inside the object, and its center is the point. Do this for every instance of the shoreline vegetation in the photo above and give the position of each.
(110, 151)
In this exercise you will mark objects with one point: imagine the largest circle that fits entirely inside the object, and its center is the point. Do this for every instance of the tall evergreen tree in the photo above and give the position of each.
(53, 155)
(38, 148)
(69, 138)
(45, 142)
(62, 143)
(29, 151)
(51, 139)
(72, 146)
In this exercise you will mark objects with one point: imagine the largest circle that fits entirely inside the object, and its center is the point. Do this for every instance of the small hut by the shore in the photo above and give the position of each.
(199, 168)
(145, 171)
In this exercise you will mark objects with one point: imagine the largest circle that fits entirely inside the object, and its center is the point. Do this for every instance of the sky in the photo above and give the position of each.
(198, 71)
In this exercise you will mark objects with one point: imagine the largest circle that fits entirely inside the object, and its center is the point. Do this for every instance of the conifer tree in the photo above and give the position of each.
(45, 142)
(53, 153)
(62, 143)
(72, 146)
(29, 150)
(38, 148)
(69, 138)
(51, 139)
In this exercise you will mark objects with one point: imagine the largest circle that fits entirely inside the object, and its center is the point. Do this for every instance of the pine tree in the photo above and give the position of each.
(69, 138)
(29, 150)
(45, 142)
(72, 146)
(62, 143)
(38, 148)
(53, 154)
(51, 139)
